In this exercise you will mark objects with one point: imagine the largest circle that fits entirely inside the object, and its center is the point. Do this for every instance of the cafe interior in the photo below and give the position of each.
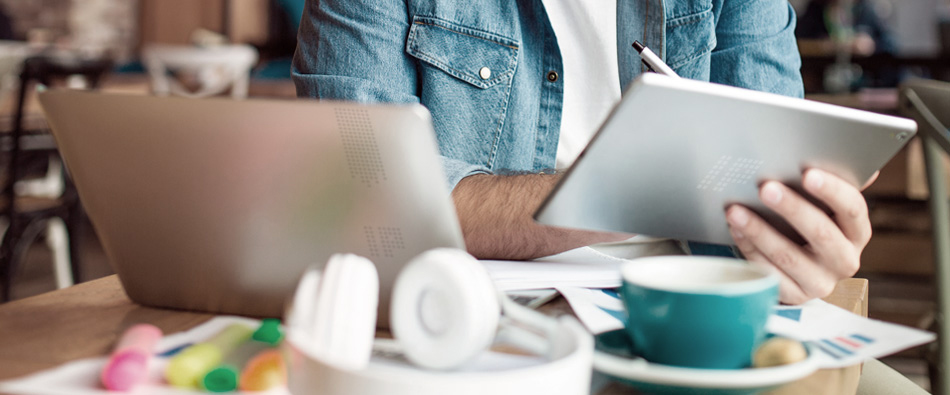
(855, 53)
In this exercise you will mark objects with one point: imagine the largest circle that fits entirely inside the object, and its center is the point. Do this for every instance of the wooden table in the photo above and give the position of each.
(85, 320)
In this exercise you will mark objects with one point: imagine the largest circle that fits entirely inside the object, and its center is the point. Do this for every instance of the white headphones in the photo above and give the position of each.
(445, 312)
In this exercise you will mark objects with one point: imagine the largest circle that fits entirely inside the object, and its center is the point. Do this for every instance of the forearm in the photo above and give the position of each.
(496, 217)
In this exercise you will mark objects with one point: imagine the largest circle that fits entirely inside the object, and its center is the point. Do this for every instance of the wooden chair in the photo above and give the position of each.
(928, 103)
(28, 215)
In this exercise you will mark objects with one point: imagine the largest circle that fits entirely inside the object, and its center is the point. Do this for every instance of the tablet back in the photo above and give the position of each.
(219, 205)
(675, 153)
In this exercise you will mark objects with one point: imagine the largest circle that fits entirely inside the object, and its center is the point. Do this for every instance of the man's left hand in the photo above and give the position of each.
(834, 243)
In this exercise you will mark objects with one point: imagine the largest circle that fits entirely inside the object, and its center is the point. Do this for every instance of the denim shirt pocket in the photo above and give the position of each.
(463, 52)
(690, 41)
(466, 84)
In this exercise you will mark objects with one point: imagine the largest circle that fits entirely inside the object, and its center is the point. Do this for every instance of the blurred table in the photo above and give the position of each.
(85, 320)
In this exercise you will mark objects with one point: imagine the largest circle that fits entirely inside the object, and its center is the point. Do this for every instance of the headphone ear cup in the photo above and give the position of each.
(300, 314)
(344, 316)
(445, 309)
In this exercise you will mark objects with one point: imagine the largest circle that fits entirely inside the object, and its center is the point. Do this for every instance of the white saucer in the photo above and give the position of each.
(654, 377)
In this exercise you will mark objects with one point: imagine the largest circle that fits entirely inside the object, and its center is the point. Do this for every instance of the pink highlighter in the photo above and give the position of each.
(128, 365)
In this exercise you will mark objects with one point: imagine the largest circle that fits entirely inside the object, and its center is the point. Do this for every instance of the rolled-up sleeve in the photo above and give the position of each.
(354, 50)
(756, 46)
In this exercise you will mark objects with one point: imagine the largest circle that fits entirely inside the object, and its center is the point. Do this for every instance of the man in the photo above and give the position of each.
(517, 88)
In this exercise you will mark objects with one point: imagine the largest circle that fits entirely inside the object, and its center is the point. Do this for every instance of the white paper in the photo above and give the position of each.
(532, 298)
(600, 310)
(581, 267)
(841, 337)
(81, 377)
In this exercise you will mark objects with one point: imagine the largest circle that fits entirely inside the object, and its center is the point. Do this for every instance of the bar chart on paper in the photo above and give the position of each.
(840, 337)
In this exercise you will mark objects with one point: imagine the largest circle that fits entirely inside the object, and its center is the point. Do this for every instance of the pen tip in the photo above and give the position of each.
(638, 46)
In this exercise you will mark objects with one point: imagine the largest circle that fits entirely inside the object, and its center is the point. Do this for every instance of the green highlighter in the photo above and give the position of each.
(225, 376)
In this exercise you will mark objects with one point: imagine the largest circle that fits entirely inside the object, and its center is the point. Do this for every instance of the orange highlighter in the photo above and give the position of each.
(128, 365)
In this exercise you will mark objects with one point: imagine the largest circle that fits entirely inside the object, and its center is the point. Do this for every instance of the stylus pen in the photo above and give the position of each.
(653, 62)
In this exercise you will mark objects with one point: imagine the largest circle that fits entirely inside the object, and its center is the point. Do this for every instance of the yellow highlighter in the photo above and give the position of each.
(185, 369)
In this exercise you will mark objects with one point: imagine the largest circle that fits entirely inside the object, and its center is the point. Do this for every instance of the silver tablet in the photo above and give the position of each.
(674, 153)
(219, 205)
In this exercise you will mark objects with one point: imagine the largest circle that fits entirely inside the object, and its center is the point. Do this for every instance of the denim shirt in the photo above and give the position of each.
(490, 71)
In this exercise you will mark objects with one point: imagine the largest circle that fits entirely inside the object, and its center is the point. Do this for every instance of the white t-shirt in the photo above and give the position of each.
(586, 32)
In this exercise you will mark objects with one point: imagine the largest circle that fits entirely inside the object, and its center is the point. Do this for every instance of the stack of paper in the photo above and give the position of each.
(600, 310)
(581, 267)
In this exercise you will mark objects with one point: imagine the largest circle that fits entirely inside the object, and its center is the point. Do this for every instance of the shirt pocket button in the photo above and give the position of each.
(485, 73)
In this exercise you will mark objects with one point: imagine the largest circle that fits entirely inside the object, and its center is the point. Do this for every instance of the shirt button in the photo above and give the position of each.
(552, 76)
(485, 73)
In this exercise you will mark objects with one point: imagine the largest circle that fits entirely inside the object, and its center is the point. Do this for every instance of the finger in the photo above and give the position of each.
(847, 203)
(824, 237)
(787, 256)
(788, 290)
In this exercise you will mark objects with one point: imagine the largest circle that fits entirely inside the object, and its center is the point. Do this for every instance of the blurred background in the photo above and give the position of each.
(855, 53)
(122, 28)
(856, 45)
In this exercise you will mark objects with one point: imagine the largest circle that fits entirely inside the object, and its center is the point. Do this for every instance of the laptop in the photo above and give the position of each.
(219, 205)
(674, 153)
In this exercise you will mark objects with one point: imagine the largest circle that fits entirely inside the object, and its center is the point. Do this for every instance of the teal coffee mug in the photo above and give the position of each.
(693, 311)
